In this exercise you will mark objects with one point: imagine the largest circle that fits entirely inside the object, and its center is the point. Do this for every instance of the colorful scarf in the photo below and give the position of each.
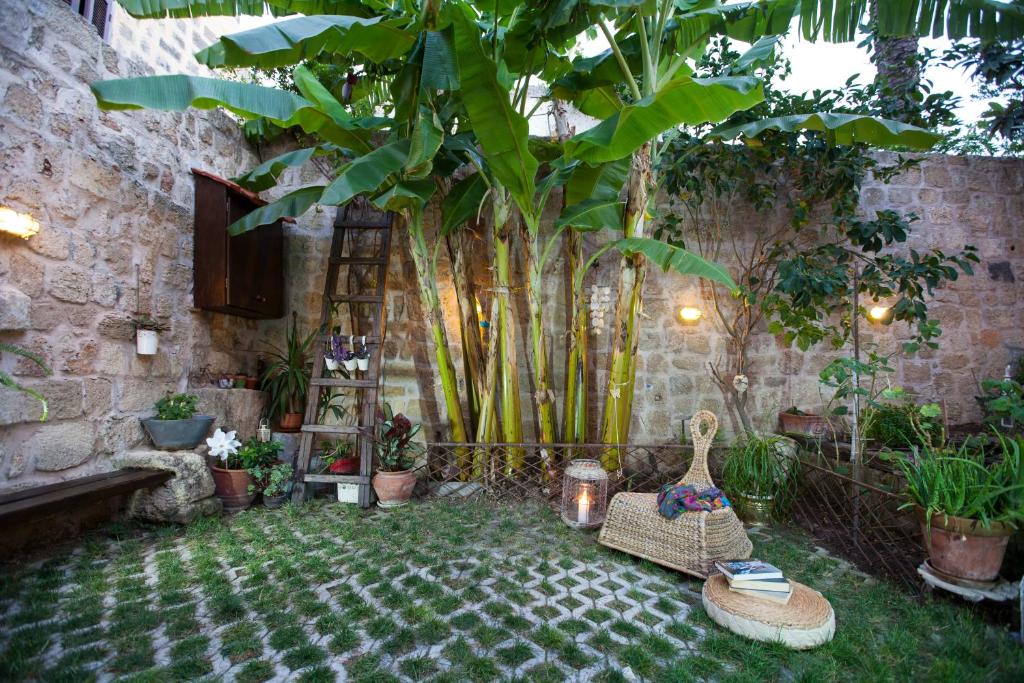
(673, 499)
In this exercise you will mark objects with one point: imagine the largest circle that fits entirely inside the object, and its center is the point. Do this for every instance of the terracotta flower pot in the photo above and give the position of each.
(964, 548)
(393, 488)
(291, 422)
(251, 382)
(232, 487)
(812, 425)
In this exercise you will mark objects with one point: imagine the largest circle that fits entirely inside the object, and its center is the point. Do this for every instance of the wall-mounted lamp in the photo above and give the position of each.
(690, 314)
(17, 224)
(880, 314)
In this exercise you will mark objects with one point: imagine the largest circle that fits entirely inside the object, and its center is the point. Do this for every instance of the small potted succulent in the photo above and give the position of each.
(235, 485)
(363, 358)
(176, 426)
(795, 421)
(396, 455)
(337, 457)
(273, 481)
(147, 334)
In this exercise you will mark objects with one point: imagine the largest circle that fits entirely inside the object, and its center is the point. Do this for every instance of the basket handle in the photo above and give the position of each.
(703, 426)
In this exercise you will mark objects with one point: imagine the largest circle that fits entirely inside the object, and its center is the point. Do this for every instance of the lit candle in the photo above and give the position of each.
(583, 512)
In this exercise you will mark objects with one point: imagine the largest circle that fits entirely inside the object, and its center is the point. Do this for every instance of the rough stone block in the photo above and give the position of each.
(61, 446)
(182, 499)
(237, 409)
(71, 285)
(15, 309)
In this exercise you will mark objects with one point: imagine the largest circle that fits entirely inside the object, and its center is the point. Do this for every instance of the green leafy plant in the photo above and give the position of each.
(393, 436)
(287, 376)
(9, 382)
(757, 467)
(1002, 401)
(958, 483)
(177, 407)
(333, 451)
(272, 480)
(254, 453)
(896, 425)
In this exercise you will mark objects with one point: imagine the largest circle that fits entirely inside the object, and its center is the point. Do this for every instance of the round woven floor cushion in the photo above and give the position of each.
(806, 621)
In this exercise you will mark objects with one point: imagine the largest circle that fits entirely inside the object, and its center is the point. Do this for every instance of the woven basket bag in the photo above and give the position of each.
(691, 542)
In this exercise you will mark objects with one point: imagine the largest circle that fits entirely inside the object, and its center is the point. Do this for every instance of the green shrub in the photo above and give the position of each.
(892, 425)
(177, 407)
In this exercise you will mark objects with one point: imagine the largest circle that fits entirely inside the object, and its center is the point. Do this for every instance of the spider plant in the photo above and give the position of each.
(758, 473)
(287, 376)
(11, 383)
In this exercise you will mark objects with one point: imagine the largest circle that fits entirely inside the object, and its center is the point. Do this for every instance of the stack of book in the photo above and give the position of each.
(756, 579)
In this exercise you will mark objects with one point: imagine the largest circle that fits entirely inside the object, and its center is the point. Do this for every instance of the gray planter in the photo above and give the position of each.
(178, 435)
(274, 502)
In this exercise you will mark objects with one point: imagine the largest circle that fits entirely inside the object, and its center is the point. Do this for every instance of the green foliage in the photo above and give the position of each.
(177, 407)
(958, 483)
(896, 425)
(757, 466)
(287, 376)
(997, 68)
(272, 480)
(254, 453)
(8, 381)
(1003, 401)
(393, 435)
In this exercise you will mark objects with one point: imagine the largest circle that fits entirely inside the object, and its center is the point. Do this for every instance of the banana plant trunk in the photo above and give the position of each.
(469, 327)
(618, 409)
(427, 282)
(505, 335)
(544, 397)
(576, 387)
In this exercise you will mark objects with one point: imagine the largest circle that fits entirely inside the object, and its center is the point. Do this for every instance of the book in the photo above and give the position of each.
(748, 570)
(771, 596)
(773, 585)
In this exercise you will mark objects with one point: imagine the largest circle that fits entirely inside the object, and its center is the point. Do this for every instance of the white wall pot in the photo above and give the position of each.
(351, 364)
(332, 364)
(364, 364)
(145, 342)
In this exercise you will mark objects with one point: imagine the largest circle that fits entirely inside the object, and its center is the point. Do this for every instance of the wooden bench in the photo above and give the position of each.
(28, 504)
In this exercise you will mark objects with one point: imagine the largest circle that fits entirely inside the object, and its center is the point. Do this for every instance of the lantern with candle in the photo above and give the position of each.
(584, 494)
(263, 432)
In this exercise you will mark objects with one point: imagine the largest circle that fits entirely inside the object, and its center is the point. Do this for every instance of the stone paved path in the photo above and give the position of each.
(434, 592)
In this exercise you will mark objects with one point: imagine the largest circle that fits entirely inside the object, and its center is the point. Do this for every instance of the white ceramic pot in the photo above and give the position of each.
(351, 364)
(348, 493)
(364, 364)
(332, 364)
(145, 342)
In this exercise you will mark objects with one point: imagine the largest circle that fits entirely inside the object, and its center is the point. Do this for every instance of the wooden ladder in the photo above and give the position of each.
(360, 223)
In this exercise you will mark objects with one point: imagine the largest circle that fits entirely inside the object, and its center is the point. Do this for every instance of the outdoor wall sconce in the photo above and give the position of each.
(881, 315)
(584, 494)
(690, 314)
(17, 224)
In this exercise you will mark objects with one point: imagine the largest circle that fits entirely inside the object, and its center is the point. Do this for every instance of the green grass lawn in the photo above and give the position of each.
(441, 591)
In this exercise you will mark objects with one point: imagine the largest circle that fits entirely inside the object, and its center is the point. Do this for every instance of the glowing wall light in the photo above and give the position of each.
(17, 224)
(690, 314)
(880, 314)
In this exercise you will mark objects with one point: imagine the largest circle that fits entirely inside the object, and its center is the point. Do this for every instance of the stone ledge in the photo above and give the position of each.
(187, 496)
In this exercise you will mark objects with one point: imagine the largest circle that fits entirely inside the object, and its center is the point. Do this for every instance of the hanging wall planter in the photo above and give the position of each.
(146, 334)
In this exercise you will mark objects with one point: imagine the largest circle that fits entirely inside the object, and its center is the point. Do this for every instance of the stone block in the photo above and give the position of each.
(15, 309)
(141, 395)
(61, 446)
(184, 498)
(237, 409)
(71, 285)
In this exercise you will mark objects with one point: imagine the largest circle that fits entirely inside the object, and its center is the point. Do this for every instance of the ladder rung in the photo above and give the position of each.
(358, 261)
(357, 299)
(342, 382)
(331, 429)
(336, 478)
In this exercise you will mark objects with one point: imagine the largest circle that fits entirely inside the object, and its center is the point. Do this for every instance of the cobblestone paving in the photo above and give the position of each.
(437, 591)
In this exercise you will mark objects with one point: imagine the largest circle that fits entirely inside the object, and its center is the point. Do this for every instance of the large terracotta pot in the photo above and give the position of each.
(964, 548)
(232, 487)
(291, 422)
(393, 488)
(812, 425)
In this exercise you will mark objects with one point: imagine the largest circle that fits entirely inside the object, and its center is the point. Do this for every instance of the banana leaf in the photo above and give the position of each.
(266, 174)
(161, 9)
(462, 203)
(677, 259)
(842, 129)
(367, 173)
(592, 214)
(291, 205)
(405, 195)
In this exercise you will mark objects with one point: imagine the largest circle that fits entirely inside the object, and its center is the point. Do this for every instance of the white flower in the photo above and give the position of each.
(223, 445)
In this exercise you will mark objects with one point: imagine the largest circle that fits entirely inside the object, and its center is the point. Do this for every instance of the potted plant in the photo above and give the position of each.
(396, 454)
(363, 358)
(336, 354)
(273, 481)
(349, 360)
(337, 457)
(147, 334)
(757, 476)
(792, 420)
(176, 426)
(287, 378)
(235, 485)
(967, 509)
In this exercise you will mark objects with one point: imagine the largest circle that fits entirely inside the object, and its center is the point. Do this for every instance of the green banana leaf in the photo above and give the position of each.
(503, 133)
(592, 214)
(440, 71)
(266, 174)
(161, 9)
(684, 100)
(405, 195)
(560, 173)
(366, 173)
(842, 129)
(462, 203)
(291, 205)
(760, 53)
(292, 41)
(426, 140)
(176, 93)
(680, 260)
(603, 181)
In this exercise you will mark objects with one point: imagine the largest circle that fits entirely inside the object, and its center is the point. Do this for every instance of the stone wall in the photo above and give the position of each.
(113, 193)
